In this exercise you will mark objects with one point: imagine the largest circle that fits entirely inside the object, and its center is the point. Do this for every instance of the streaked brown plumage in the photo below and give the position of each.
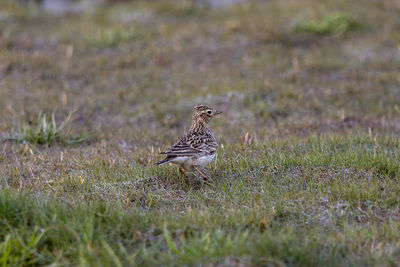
(198, 146)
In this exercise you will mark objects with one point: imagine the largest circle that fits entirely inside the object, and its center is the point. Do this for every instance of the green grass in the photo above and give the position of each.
(308, 167)
(313, 201)
(296, 233)
(333, 24)
(45, 131)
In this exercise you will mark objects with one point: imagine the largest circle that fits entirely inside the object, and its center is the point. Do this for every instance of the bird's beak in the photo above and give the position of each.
(217, 112)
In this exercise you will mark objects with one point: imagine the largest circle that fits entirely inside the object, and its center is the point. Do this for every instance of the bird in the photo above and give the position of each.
(198, 147)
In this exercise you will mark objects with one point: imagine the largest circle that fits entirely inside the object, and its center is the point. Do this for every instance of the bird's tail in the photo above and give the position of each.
(163, 161)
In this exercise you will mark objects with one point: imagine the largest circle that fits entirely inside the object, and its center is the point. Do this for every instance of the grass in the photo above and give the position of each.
(314, 194)
(45, 131)
(307, 170)
(115, 36)
(333, 24)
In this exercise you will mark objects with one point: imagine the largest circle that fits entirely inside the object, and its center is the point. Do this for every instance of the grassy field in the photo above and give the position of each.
(308, 168)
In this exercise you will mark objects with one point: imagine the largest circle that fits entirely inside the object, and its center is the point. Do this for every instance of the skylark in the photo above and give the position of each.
(197, 147)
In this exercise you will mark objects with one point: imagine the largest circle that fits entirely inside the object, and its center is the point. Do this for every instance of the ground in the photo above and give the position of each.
(308, 168)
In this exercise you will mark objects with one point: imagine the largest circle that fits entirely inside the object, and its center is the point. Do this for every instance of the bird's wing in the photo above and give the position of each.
(191, 145)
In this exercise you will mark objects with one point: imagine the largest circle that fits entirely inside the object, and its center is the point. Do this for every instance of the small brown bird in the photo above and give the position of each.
(197, 147)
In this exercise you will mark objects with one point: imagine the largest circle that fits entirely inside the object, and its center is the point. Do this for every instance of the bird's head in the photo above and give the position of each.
(203, 114)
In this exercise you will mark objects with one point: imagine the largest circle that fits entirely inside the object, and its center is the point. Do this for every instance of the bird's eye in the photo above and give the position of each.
(209, 112)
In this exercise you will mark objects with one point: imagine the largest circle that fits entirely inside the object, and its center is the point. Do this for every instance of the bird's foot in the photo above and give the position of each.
(205, 177)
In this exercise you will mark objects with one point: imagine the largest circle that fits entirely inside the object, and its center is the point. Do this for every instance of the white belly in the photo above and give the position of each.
(189, 162)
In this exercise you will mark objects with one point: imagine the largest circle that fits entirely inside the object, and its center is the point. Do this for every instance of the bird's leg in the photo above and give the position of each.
(205, 178)
(183, 172)
(184, 175)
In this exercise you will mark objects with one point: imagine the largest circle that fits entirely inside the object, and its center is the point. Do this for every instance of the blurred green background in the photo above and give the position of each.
(134, 69)
(308, 167)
